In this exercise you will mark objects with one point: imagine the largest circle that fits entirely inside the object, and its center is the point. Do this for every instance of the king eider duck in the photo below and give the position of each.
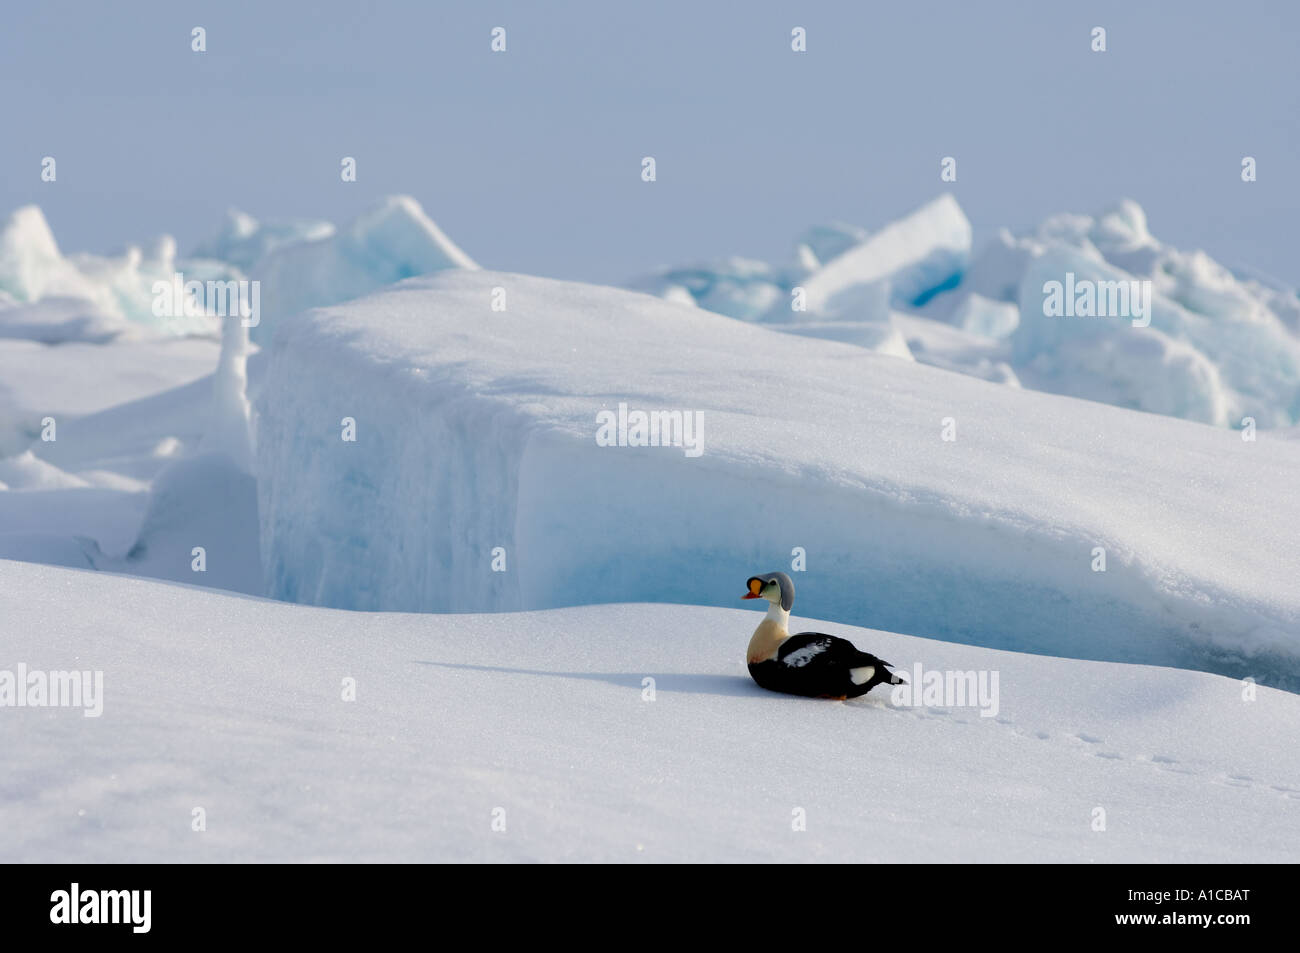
(809, 663)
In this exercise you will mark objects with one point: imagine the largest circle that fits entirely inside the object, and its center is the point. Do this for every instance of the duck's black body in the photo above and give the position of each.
(821, 666)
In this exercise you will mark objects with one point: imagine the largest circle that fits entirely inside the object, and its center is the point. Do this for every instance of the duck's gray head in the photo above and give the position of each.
(774, 587)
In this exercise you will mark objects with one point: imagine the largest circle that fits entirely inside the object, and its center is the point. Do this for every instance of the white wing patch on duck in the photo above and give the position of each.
(862, 675)
(801, 657)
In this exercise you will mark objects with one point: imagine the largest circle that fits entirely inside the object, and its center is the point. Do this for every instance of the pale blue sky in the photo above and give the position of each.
(531, 160)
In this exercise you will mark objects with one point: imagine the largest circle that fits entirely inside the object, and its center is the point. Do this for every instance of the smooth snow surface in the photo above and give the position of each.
(234, 705)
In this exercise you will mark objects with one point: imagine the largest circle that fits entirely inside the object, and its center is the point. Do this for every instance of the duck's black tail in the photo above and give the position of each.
(883, 675)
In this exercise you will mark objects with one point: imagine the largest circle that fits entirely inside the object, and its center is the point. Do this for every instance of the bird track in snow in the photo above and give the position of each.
(1159, 762)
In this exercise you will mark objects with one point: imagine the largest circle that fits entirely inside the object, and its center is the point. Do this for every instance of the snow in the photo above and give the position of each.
(50, 297)
(940, 344)
(124, 413)
(1167, 367)
(138, 436)
(170, 471)
(234, 705)
(475, 430)
(1217, 348)
(57, 320)
(230, 426)
(206, 502)
(829, 241)
(244, 241)
(25, 471)
(392, 240)
(70, 381)
(79, 378)
(844, 273)
(737, 287)
(1223, 344)
(63, 520)
(918, 255)
(880, 335)
(31, 266)
(997, 267)
(114, 293)
(187, 462)
(986, 317)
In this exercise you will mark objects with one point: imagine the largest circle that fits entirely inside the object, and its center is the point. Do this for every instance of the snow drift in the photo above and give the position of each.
(236, 705)
(475, 450)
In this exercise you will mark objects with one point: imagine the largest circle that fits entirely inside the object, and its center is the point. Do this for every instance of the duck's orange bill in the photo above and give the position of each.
(755, 587)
